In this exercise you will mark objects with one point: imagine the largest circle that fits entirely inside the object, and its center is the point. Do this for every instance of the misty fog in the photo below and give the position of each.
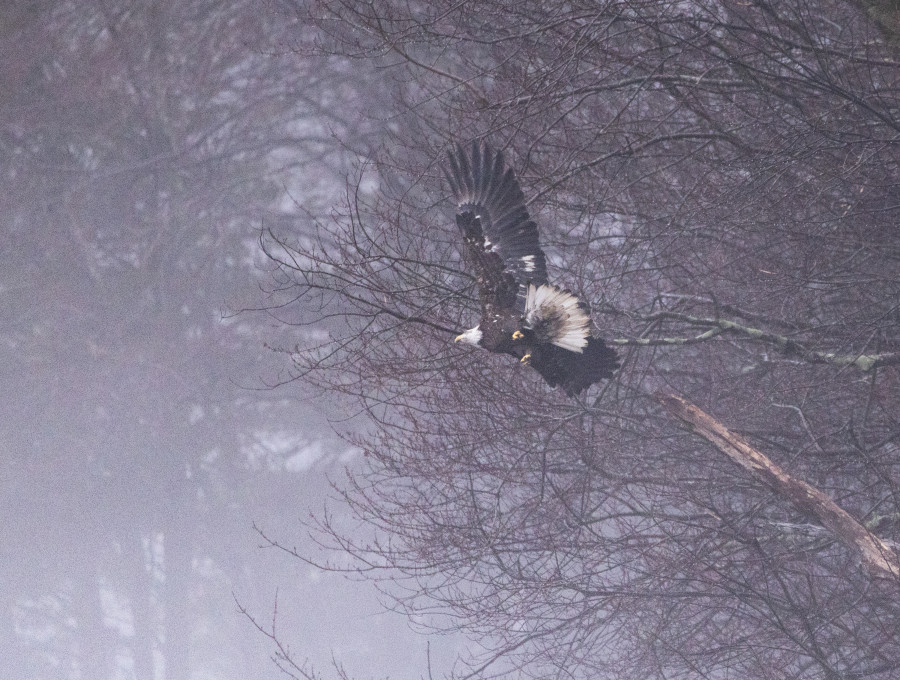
(145, 149)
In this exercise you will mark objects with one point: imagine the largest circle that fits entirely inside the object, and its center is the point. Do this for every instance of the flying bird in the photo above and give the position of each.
(545, 327)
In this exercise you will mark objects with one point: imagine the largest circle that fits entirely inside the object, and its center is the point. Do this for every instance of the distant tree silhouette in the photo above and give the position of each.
(142, 146)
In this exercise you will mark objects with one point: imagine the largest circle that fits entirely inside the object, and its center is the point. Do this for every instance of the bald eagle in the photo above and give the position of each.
(544, 326)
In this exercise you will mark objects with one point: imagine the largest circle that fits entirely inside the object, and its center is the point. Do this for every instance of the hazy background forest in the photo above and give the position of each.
(144, 147)
(227, 241)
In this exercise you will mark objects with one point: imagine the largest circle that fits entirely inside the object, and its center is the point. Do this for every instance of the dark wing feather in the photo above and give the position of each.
(493, 218)
(574, 371)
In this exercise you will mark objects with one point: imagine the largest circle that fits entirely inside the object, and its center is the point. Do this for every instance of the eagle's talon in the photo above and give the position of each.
(526, 359)
(518, 335)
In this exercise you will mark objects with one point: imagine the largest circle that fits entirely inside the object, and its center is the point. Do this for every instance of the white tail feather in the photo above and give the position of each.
(546, 303)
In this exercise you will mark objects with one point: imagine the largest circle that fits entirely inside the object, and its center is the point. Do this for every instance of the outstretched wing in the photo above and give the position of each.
(575, 371)
(565, 352)
(501, 238)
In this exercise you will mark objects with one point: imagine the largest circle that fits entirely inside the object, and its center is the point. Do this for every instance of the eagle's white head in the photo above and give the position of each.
(470, 337)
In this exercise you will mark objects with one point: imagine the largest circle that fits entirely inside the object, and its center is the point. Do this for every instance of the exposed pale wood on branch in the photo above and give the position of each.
(788, 346)
(874, 552)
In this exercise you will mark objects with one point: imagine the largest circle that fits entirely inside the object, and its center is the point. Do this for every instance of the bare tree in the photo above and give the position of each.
(142, 146)
(721, 181)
